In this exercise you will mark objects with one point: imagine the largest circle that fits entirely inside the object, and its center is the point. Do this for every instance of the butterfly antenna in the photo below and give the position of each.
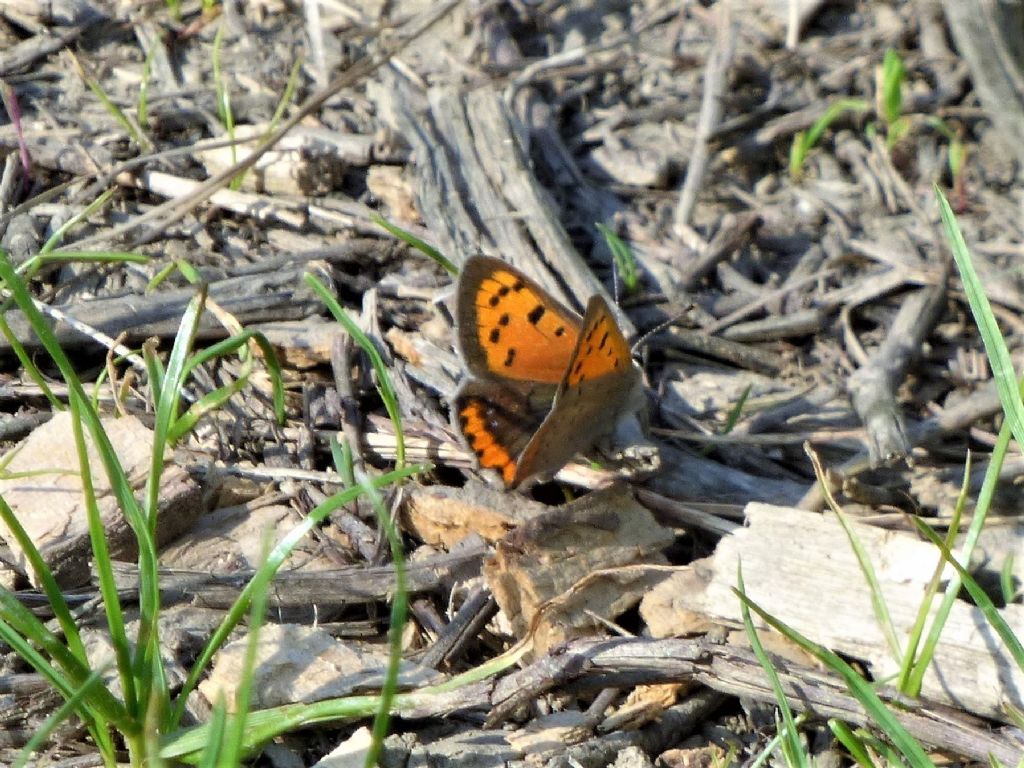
(646, 336)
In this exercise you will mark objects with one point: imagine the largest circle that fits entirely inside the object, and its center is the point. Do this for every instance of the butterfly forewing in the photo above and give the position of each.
(602, 349)
(600, 384)
(510, 327)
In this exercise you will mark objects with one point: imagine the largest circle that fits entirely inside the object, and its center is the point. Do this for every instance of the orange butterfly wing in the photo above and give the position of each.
(498, 422)
(511, 328)
(602, 349)
(601, 383)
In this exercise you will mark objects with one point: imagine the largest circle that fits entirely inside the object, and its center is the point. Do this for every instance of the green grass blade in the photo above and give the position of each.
(878, 605)
(792, 749)
(223, 96)
(286, 97)
(625, 262)
(209, 402)
(854, 745)
(995, 348)
(859, 688)
(239, 341)
(27, 364)
(154, 369)
(29, 638)
(167, 406)
(235, 740)
(399, 609)
(804, 141)
(913, 669)
(834, 111)
(410, 239)
(387, 391)
(893, 75)
(44, 577)
(90, 257)
(264, 725)
(982, 600)
(1007, 587)
(103, 566)
(58, 236)
(112, 109)
(263, 575)
(142, 103)
(733, 417)
(72, 705)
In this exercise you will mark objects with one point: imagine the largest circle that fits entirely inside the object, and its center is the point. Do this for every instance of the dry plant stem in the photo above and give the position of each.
(740, 355)
(872, 387)
(464, 628)
(162, 216)
(732, 234)
(767, 297)
(20, 57)
(734, 670)
(298, 589)
(982, 404)
(711, 109)
(680, 515)
(254, 298)
(772, 418)
(341, 368)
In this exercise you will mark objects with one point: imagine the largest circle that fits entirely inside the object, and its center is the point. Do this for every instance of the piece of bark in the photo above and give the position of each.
(299, 589)
(556, 573)
(260, 297)
(303, 163)
(303, 664)
(693, 477)
(476, 191)
(50, 506)
(590, 665)
(814, 583)
(443, 516)
(301, 344)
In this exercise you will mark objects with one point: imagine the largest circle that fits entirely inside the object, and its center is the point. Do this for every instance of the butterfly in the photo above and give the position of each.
(544, 382)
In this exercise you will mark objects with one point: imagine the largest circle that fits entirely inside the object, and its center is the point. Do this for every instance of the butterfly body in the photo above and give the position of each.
(544, 382)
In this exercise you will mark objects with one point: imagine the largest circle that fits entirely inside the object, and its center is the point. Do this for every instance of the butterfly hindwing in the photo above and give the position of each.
(498, 421)
(511, 328)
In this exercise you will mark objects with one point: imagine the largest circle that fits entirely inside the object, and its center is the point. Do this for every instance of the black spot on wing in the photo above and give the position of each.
(535, 314)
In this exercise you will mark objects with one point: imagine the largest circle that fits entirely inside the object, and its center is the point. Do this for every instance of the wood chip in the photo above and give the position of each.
(297, 663)
(49, 503)
(814, 584)
(582, 555)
